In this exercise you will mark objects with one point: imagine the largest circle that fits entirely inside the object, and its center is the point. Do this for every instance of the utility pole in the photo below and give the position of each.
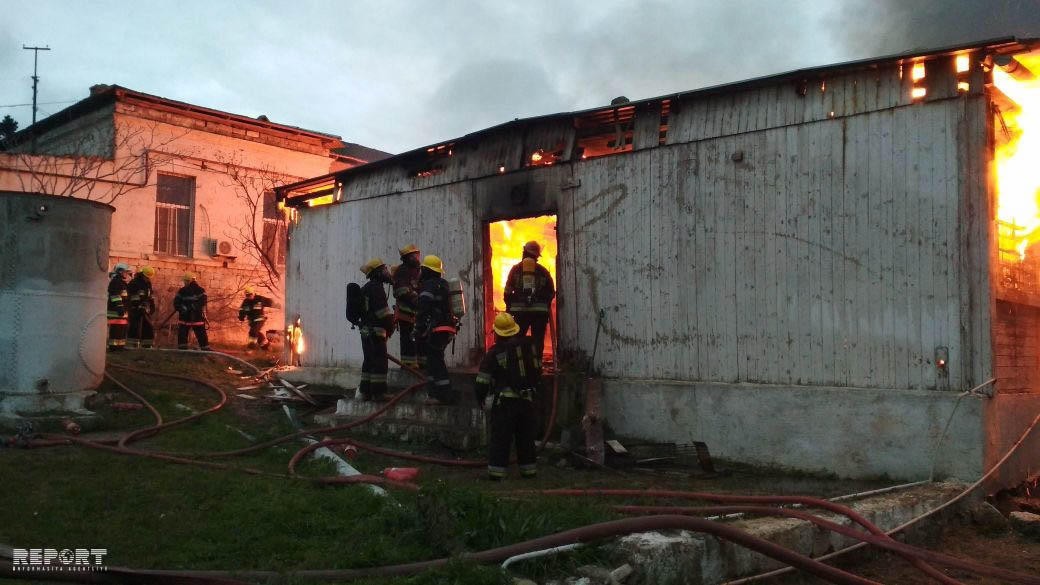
(35, 78)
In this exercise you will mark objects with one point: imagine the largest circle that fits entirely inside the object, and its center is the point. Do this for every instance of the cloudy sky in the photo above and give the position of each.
(396, 75)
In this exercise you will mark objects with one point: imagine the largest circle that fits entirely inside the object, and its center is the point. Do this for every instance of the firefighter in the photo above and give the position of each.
(117, 305)
(507, 384)
(142, 306)
(377, 325)
(435, 328)
(529, 293)
(190, 304)
(252, 308)
(406, 293)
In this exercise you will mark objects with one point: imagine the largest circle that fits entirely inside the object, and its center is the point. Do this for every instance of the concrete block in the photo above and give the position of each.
(1026, 524)
(988, 519)
(685, 558)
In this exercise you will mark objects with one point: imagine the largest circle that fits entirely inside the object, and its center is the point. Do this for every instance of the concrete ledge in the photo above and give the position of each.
(461, 427)
(687, 558)
(851, 432)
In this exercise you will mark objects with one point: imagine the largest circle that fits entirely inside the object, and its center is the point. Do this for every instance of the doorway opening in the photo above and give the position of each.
(505, 243)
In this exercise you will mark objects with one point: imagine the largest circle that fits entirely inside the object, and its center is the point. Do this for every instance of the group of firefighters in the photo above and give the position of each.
(131, 306)
(509, 375)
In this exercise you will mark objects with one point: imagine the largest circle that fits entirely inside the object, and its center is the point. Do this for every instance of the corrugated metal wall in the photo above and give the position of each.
(835, 237)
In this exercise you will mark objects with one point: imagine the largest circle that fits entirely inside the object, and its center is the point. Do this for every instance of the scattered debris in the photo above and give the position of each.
(621, 573)
(71, 427)
(297, 391)
(127, 406)
(617, 447)
(1026, 524)
(597, 574)
(988, 519)
(246, 396)
(244, 434)
(243, 388)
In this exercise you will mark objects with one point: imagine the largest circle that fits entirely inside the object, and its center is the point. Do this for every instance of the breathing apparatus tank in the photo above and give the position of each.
(457, 298)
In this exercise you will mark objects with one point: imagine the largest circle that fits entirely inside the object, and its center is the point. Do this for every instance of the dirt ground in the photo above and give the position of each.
(1008, 550)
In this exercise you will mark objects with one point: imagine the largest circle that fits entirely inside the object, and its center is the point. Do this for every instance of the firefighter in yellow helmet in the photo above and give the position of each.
(118, 324)
(252, 308)
(435, 328)
(529, 294)
(406, 293)
(377, 325)
(142, 306)
(190, 304)
(507, 385)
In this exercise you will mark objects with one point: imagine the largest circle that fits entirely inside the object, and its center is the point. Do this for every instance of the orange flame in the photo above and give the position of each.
(1018, 181)
(507, 243)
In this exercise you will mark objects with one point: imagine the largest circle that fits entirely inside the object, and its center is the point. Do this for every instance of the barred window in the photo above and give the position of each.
(174, 209)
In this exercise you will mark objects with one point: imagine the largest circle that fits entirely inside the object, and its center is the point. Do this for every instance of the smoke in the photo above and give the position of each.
(880, 27)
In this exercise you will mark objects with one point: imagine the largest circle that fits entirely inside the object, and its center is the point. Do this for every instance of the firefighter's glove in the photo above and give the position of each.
(489, 402)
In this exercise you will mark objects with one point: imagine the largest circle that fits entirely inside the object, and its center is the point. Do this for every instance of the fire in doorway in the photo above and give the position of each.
(506, 239)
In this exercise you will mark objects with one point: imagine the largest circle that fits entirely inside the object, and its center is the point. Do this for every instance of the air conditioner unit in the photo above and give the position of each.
(221, 248)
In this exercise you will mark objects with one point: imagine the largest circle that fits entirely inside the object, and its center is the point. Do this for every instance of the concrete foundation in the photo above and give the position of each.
(851, 432)
(685, 558)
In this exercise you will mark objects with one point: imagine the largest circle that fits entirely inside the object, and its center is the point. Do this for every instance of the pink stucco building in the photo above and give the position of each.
(192, 188)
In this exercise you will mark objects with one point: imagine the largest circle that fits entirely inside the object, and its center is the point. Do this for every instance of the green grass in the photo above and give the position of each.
(154, 514)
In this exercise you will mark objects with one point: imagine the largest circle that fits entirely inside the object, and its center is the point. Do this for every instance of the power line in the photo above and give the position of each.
(39, 104)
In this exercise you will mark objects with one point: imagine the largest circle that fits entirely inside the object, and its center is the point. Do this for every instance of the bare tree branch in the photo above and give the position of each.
(263, 239)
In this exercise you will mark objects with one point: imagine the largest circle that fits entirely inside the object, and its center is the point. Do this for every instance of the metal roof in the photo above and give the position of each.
(1008, 44)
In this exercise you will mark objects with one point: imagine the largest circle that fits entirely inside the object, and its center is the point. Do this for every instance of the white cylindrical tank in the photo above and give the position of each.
(53, 283)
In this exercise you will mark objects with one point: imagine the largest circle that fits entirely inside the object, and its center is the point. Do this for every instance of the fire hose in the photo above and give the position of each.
(742, 499)
(583, 534)
(881, 541)
(149, 431)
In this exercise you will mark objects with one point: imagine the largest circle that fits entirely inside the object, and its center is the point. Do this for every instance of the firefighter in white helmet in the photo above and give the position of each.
(377, 325)
(118, 324)
(529, 294)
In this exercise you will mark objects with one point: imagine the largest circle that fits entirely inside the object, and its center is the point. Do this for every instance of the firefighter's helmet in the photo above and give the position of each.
(533, 248)
(409, 249)
(148, 271)
(188, 277)
(121, 267)
(505, 325)
(371, 265)
(433, 263)
(250, 290)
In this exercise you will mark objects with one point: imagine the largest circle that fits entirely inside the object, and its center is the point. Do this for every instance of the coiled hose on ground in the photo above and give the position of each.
(878, 538)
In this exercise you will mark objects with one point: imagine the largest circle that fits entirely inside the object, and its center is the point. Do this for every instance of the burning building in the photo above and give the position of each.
(806, 270)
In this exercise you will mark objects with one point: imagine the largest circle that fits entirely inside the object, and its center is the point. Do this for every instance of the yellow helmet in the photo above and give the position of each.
(148, 271)
(409, 249)
(371, 265)
(433, 263)
(250, 290)
(188, 277)
(505, 325)
(533, 248)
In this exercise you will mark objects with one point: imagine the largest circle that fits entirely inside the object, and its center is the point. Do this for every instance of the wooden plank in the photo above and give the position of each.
(647, 126)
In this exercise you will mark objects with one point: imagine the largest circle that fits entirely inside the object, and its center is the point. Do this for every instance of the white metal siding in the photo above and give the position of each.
(768, 242)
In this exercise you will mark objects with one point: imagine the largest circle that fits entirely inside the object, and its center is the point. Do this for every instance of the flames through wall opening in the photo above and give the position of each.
(505, 240)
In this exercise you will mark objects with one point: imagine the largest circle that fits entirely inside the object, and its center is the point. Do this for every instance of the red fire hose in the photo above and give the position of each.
(879, 536)
(741, 499)
(583, 534)
(905, 550)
